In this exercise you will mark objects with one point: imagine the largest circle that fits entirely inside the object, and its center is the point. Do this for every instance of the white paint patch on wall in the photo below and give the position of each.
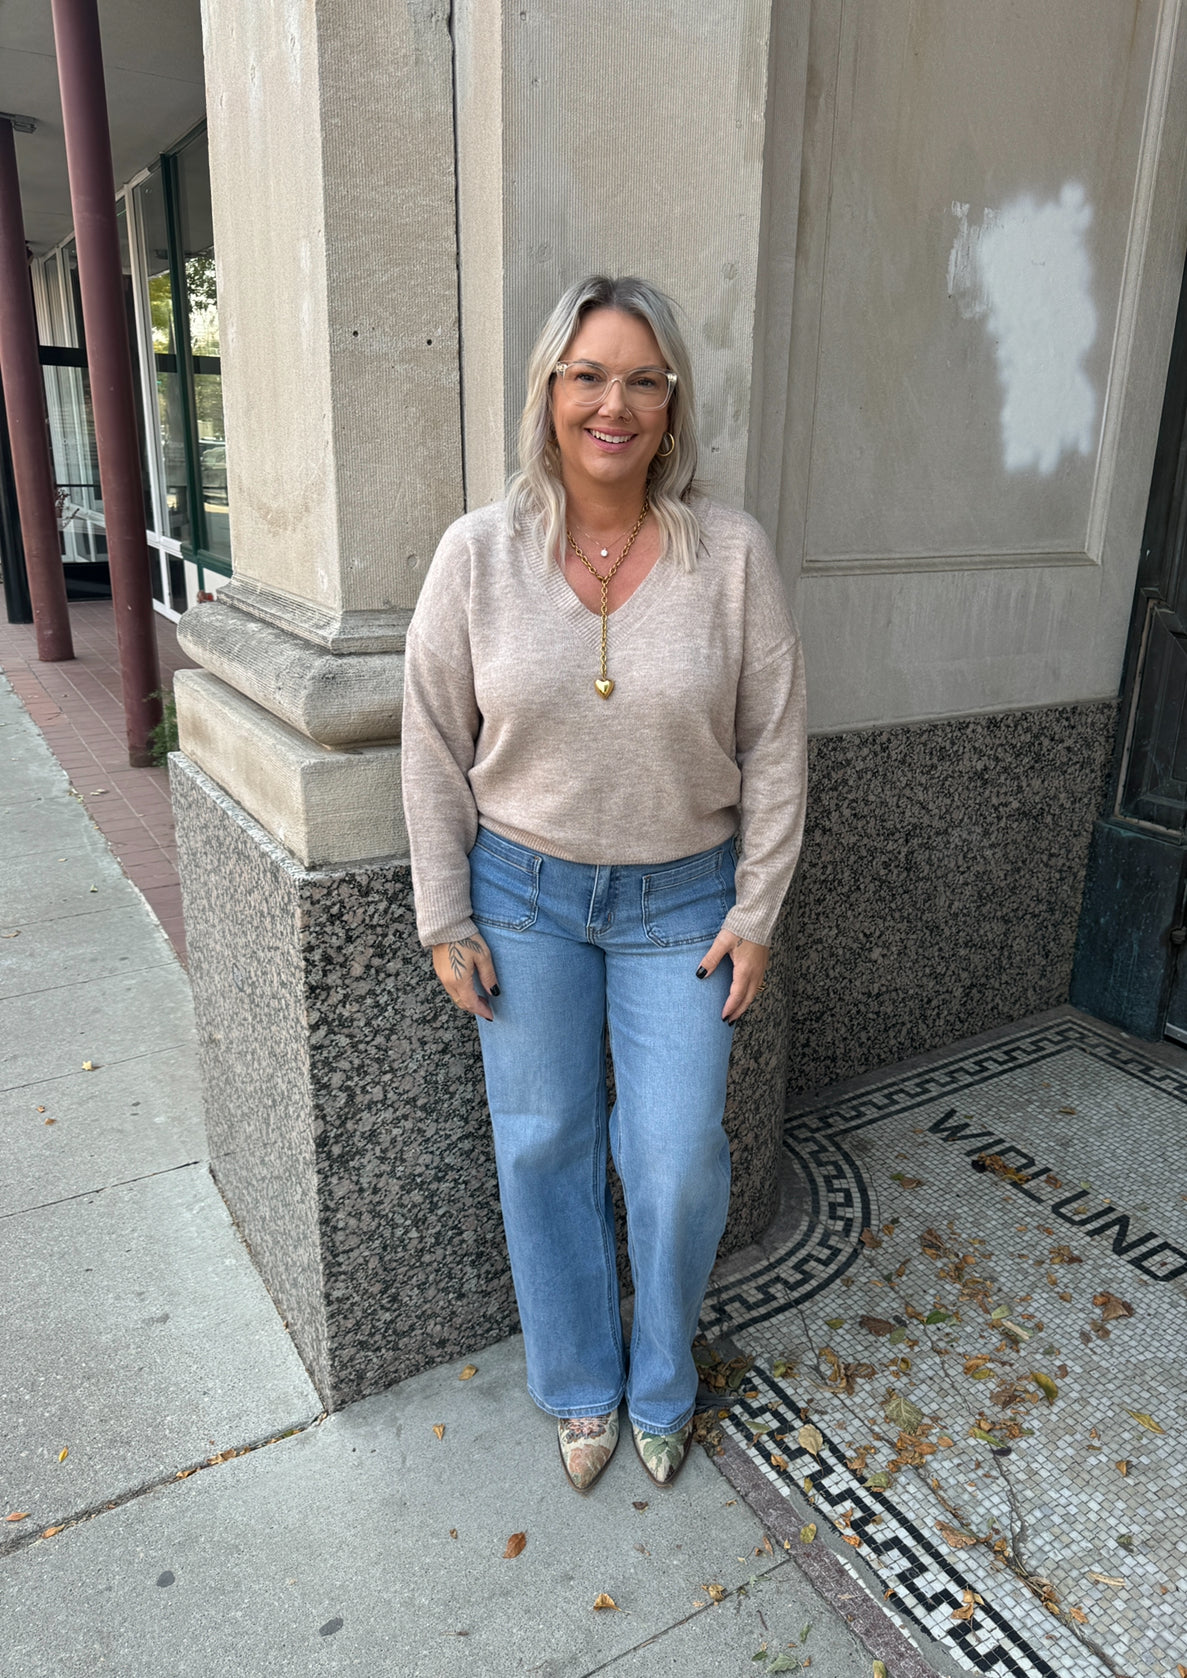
(1025, 271)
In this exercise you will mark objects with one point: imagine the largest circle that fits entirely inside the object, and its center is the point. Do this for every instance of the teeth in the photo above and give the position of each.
(604, 437)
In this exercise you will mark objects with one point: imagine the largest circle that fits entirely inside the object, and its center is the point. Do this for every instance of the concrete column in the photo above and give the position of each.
(113, 400)
(24, 397)
(344, 1101)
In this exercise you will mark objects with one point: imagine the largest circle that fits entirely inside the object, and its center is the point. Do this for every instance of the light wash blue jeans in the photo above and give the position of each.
(576, 946)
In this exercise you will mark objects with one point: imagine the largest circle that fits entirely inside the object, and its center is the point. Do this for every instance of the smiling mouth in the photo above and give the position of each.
(611, 436)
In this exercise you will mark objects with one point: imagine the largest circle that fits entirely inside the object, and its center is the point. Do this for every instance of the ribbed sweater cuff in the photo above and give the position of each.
(755, 921)
(443, 913)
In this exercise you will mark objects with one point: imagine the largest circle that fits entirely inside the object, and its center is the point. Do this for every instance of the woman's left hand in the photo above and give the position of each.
(750, 965)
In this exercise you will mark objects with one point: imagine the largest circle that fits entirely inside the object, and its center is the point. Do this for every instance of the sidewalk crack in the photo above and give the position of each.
(736, 1595)
(24, 1541)
(101, 1188)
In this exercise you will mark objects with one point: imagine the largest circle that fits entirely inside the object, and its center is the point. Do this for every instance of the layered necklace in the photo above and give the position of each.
(603, 683)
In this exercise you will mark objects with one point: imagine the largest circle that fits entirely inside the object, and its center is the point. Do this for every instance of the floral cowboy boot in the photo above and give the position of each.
(662, 1454)
(587, 1444)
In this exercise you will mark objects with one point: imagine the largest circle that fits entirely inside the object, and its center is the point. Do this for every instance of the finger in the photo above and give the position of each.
(469, 1000)
(485, 968)
(721, 946)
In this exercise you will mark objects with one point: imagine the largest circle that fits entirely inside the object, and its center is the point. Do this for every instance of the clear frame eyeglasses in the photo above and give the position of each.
(586, 384)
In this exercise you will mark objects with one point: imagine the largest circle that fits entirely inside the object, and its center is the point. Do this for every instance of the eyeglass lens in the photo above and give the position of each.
(587, 383)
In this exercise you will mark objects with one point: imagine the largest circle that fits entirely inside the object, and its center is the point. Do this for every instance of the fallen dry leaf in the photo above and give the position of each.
(901, 1411)
(869, 1239)
(515, 1545)
(717, 1593)
(851, 1538)
(52, 1532)
(1045, 1385)
(1111, 1307)
(1145, 1418)
(1079, 1616)
(639, 1506)
(954, 1538)
(65, 1451)
(1122, 1467)
(810, 1439)
(439, 1429)
(1106, 1579)
(1064, 1255)
(18, 1515)
(15, 934)
(808, 1533)
(880, 1669)
(469, 1372)
(778, 1462)
(876, 1325)
(88, 1066)
(453, 1532)
(604, 1601)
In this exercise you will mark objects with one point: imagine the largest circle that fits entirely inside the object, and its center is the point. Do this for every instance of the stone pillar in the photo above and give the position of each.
(344, 1097)
(343, 1100)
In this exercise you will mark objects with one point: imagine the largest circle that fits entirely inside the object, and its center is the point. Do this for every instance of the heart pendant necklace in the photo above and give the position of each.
(603, 683)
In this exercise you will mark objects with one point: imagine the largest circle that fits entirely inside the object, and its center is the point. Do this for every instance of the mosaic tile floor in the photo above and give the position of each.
(982, 1311)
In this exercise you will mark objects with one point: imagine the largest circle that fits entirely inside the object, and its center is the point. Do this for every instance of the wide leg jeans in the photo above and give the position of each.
(577, 947)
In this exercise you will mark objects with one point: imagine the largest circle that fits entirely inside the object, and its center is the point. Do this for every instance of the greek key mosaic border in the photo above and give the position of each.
(978, 1066)
(926, 1580)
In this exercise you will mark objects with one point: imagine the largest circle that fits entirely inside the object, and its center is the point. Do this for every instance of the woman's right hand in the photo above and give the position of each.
(456, 965)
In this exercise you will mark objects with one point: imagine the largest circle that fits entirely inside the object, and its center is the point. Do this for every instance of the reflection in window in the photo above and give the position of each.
(150, 197)
(197, 239)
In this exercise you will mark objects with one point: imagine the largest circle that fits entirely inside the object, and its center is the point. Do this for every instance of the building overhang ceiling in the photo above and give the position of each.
(152, 61)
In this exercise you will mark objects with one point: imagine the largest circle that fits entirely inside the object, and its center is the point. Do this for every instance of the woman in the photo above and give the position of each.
(603, 700)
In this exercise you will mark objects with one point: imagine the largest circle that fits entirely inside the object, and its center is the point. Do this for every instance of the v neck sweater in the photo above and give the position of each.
(703, 736)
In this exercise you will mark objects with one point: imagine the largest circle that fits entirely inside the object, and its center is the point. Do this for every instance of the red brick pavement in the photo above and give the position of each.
(78, 708)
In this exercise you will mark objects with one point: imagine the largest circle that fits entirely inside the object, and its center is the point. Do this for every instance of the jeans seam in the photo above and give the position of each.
(608, 1247)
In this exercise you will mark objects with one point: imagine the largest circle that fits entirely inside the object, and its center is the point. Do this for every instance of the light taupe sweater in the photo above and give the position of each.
(703, 736)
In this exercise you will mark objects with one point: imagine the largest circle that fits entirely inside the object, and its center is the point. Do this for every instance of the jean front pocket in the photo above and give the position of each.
(685, 902)
(504, 883)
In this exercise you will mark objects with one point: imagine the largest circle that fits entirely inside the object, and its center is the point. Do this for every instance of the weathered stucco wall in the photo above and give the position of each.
(987, 237)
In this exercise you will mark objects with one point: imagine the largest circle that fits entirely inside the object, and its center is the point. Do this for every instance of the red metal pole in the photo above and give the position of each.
(101, 283)
(24, 401)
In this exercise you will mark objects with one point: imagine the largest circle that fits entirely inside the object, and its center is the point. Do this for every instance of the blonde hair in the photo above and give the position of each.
(536, 493)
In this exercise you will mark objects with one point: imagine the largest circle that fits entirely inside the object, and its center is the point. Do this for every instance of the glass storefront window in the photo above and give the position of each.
(167, 249)
(197, 239)
(150, 201)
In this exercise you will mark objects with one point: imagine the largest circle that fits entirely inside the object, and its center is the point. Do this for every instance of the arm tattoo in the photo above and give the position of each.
(457, 961)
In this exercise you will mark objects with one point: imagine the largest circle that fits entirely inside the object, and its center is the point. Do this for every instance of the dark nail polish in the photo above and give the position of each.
(702, 973)
(494, 990)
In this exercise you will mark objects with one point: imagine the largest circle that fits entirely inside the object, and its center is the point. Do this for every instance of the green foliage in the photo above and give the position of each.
(163, 738)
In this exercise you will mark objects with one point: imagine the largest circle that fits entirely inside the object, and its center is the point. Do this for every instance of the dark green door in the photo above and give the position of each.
(1129, 967)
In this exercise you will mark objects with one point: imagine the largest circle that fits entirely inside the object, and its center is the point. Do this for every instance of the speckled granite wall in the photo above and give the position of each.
(345, 1106)
(940, 883)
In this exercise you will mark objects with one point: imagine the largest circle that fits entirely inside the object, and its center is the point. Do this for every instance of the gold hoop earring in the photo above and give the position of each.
(666, 454)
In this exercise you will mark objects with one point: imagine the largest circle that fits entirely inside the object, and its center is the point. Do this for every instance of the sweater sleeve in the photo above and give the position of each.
(440, 727)
(772, 753)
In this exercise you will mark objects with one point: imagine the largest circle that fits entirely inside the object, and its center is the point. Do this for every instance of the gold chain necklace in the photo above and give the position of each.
(603, 682)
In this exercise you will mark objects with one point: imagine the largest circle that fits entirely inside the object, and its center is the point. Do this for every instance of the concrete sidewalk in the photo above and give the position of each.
(182, 1507)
